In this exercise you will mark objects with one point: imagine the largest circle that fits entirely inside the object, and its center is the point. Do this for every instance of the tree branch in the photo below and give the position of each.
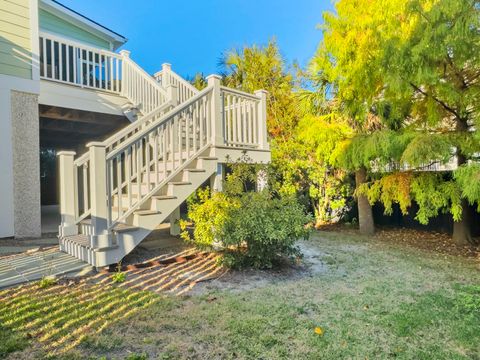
(440, 102)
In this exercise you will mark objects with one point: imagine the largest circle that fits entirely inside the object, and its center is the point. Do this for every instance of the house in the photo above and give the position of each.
(129, 147)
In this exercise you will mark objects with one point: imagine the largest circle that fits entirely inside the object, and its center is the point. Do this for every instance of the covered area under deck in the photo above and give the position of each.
(66, 129)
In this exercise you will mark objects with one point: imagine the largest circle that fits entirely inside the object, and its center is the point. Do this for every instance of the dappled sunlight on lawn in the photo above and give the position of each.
(61, 316)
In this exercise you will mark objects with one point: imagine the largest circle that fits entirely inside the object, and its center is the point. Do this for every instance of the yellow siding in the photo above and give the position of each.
(15, 42)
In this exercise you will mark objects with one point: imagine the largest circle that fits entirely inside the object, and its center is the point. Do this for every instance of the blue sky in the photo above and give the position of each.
(191, 35)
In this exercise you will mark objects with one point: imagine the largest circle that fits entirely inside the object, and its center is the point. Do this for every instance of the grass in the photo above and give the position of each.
(373, 301)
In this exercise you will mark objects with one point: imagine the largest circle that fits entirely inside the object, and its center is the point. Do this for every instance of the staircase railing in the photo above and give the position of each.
(143, 164)
(73, 63)
(167, 77)
(118, 175)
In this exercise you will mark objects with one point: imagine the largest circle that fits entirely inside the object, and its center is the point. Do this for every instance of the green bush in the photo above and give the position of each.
(254, 228)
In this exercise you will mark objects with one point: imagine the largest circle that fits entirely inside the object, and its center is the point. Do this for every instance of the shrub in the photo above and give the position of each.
(119, 276)
(254, 228)
(47, 281)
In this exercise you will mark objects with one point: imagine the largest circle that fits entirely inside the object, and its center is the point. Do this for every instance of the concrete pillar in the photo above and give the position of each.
(26, 164)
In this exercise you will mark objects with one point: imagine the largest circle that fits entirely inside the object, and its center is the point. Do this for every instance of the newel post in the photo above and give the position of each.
(67, 193)
(98, 194)
(262, 119)
(172, 93)
(125, 54)
(217, 136)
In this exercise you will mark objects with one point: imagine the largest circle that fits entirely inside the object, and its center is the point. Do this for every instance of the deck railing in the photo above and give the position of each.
(73, 63)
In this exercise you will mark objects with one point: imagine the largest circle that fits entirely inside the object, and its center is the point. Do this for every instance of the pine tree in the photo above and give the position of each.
(413, 66)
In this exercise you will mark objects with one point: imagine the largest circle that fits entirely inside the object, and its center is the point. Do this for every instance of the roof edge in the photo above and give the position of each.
(78, 19)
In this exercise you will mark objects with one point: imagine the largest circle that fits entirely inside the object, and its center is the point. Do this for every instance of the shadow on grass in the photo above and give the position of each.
(59, 317)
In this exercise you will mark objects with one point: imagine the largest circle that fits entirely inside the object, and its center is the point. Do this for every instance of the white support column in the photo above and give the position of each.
(174, 219)
(216, 181)
(262, 119)
(67, 193)
(98, 194)
(217, 138)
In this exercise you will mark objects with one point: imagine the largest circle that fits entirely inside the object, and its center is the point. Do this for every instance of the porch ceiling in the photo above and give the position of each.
(71, 129)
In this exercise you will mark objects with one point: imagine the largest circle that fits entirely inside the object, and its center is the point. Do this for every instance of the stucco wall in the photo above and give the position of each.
(26, 164)
(16, 38)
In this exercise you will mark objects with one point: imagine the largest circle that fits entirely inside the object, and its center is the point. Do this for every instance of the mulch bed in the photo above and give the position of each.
(425, 240)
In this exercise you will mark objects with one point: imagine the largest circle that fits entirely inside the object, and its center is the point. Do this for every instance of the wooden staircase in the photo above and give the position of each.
(113, 196)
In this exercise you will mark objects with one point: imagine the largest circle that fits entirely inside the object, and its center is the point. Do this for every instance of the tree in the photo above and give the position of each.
(413, 66)
(263, 67)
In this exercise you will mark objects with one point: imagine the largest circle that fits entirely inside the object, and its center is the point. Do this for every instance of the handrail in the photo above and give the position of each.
(165, 117)
(142, 163)
(167, 77)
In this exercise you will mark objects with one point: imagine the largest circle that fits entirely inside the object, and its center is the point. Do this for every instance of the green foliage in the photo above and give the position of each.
(406, 75)
(199, 81)
(433, 193)
(119, 276)
(390, 189)
(468, 179)
(264, 229)
(134, 356)
(11, 341)
(46, 282)
(209, 213)
(425, 148)
(255, 228)
(262, 67)
(468, 300)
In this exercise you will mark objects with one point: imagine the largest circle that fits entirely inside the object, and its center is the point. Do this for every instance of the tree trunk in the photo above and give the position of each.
(462, 229)
(365, 214)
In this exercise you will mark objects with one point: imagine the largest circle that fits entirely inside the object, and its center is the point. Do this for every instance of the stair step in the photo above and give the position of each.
(146, 212)
(180, 183)
(80, 239)
(195, 170)
(119, 228)
(208, 158)
(164, 197)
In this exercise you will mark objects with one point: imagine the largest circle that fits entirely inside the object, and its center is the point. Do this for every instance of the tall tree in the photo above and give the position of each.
(414, 66)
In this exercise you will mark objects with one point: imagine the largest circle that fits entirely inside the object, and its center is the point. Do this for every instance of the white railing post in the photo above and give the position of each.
(98, 194)
(172, 94)
(67, 193)
(217, 136)
(125, 58)
(262, 119)
(166, 69)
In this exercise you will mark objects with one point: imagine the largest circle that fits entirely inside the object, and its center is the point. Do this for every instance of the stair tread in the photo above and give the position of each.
(208, 158)
(124, 227)
(164, 197)
(147, 212)
(80, 239)
(180, 183)
(195, 170)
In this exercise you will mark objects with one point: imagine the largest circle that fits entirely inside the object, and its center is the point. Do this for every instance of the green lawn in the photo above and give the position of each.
(373, 301)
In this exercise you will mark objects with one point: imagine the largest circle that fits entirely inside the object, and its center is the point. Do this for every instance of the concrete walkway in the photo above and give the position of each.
(30, 266)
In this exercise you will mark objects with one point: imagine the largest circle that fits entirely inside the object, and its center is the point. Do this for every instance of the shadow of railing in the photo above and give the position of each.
(61, 316)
